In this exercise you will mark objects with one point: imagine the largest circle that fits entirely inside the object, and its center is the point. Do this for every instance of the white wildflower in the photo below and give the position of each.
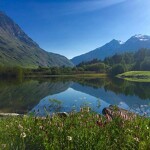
(136, 139)
(69, 138)
(88, 109)
(23, 135)
(20, 126)
(41, 127)
(147, 127)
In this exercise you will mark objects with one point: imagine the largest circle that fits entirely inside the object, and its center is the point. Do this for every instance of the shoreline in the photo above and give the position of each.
(93, 75)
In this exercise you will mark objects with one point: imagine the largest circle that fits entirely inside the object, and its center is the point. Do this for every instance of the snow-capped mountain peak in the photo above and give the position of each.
(134, 43)
(142, 37)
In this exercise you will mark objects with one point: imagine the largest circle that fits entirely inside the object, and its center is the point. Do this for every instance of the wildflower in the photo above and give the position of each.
(53, 115)
(3, 145)
(88, 109)
(28, 130)
(23, 135)
(20, 126)
(69, 138)
(62, 124)
(97, 116)
(108, 117)
(82, 116)
(7, 126)
(41, 127)
(99, 123)
(147, 127)
(49, 122)
(136, 139)
(43, 118)
(129, 130)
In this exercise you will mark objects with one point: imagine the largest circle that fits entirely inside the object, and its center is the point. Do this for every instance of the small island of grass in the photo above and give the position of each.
(136, 76)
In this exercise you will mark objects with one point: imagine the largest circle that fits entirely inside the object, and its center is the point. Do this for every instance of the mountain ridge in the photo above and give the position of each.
(18, 49)
(134, 43)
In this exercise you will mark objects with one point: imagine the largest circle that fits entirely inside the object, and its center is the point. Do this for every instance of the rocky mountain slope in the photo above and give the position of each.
(17, 49)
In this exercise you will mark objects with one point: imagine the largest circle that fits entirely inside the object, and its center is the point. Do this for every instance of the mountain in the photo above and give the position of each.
(17, 49)
(109, 49)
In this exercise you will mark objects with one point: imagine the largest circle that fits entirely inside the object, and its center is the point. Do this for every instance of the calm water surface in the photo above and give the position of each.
(57, 94)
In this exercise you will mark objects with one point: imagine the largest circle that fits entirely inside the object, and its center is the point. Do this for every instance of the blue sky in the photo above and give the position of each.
(73, 27)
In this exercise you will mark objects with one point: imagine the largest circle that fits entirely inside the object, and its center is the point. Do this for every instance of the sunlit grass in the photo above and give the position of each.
(83, 75)
(136, 76)
(78, 131)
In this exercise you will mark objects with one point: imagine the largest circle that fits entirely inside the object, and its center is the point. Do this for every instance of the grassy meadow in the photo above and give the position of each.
(137, 76)
(81, 131)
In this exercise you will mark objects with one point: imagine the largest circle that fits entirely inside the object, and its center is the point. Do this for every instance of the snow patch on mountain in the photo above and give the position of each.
(121, 42)
(142, 37)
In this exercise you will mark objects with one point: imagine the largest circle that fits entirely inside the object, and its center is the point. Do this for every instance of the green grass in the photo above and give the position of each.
(137, 76)
(84, 75)
(78, 131)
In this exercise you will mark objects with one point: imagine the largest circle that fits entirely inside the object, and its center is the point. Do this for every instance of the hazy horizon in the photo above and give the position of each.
(71, 28)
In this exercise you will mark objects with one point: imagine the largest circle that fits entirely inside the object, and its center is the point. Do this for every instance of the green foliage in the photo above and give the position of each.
(114, 65)
(130, 61)
(145, 64)
(98, 67)
(78, 131)
(117, 69)
(119, 63)
(11, 72)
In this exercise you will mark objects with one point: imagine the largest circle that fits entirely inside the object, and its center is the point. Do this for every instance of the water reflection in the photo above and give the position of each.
(22, 97)
(35, 95)
(71, 100)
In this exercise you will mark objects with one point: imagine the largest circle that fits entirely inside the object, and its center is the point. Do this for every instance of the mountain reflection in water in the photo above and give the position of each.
(36, 95)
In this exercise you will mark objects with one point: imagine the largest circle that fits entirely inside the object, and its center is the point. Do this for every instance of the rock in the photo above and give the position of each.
(9, 114)
(114, 111)
(62, 114)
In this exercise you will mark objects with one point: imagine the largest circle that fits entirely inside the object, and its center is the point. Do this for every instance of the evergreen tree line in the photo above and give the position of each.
(119, 63)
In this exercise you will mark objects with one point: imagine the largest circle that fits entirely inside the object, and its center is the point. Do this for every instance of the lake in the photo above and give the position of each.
(45, 96)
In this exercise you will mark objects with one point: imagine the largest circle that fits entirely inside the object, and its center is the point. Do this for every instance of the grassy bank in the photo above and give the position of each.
(137, 76)
(78, 131)
(84, 75)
